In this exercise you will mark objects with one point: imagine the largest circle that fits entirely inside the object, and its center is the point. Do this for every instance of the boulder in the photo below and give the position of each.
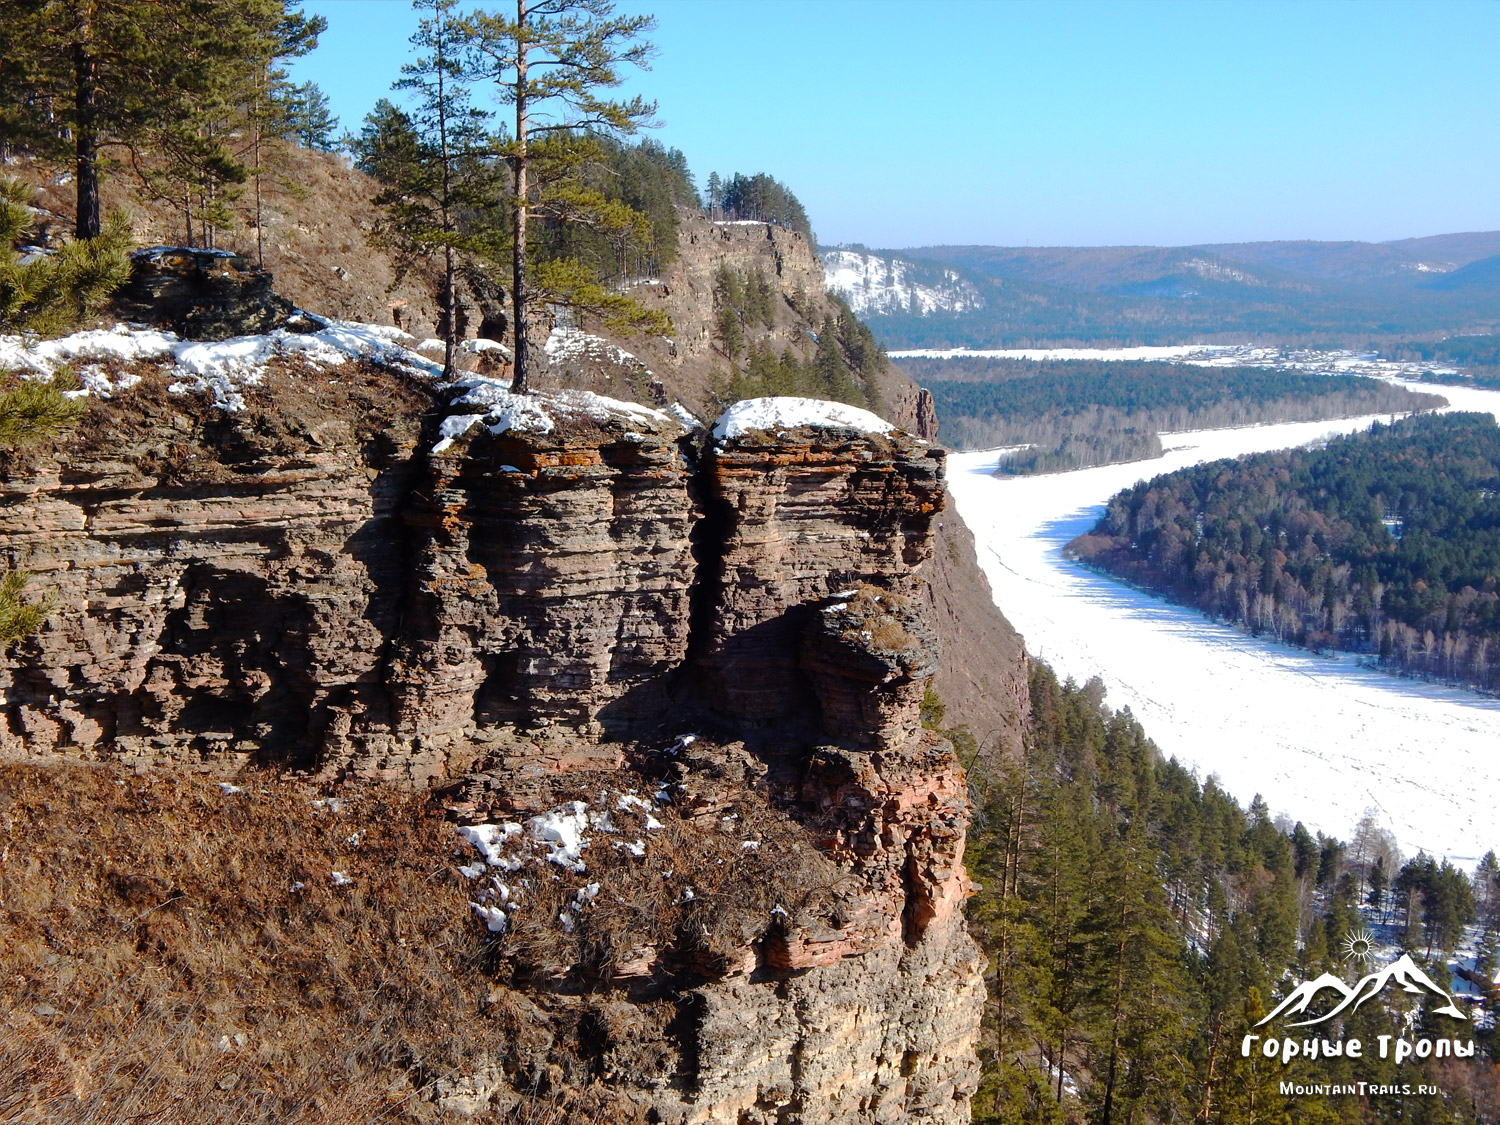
(201, 294)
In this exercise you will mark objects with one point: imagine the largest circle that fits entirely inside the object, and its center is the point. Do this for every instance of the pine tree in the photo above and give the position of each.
(552, 65)
(449, 173)
(31, 411)
(832, 367)
(309, 120)
(1486, 885)
(53, 292)
(156, 79)
(713, 195)
(276, 109)
(44, 295)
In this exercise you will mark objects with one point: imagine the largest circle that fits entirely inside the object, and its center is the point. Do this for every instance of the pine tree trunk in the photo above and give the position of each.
(450, 290)
(450, 302)
(260, 242)
(519, 296)
(86, 83)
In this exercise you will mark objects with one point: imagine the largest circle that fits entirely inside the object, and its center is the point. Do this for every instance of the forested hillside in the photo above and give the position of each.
(1139, 922)
(1082, 412)
(1476, 358)
(1385, 543)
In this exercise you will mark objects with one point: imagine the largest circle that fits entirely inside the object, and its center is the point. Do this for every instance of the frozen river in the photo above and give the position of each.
(1319, 737)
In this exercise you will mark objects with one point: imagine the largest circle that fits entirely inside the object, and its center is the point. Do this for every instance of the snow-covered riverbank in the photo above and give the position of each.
(1319, 737)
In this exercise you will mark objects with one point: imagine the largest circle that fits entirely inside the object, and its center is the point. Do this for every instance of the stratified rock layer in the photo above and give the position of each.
(525, 613)
(201, 294)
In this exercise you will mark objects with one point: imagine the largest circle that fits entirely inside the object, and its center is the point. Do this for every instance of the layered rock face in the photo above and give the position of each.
(201, 294)
(223, 585)
(550, 587)
(534, 617)
(799, 519)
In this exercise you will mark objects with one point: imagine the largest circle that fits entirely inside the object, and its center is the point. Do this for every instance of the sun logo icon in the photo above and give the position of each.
(1358, 945)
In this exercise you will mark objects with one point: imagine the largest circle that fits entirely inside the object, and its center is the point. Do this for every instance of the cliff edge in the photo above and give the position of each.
(663, 686)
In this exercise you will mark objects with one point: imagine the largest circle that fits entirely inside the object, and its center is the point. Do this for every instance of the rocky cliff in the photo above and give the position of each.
(318, 244)
(543, 616)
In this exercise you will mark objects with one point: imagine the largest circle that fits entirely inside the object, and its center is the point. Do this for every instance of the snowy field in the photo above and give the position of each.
(1319, 737)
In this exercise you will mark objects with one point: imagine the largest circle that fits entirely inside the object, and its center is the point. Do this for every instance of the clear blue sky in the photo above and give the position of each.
(1071, 122)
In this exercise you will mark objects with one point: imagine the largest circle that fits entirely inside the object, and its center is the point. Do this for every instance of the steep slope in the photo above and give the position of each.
(314, 236)
(873, 283)
(667, 687)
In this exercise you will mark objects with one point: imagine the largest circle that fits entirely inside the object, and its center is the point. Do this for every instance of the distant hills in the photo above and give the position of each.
(1331, 294)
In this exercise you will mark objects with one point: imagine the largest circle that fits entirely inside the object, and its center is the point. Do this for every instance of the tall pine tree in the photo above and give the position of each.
(552, 64)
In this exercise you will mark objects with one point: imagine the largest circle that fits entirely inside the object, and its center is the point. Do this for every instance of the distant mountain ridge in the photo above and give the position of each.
(1343, 294)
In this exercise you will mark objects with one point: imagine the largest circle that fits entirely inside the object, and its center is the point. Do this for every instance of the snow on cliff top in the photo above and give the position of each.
(218, 367)
(224, 368)
(536, 412)
(788, 413)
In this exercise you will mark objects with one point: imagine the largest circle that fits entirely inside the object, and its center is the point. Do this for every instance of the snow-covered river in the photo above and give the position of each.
(1319, 737)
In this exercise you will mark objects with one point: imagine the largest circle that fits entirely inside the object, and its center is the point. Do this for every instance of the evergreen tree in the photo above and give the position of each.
(439, 172)
(48, 293)
(154, 78)
(552, 64)
(272, 111)
(1487, 887)
(309, 120)
(761, 198)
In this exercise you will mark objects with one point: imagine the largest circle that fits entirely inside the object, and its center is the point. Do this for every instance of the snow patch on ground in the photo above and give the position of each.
(1322, 738)
(489, 840)
(555, 837)
(567, 343)
(220, 368)
(788, 413)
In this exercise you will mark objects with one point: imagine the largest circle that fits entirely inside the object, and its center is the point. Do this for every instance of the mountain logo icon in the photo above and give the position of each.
(1403, 972)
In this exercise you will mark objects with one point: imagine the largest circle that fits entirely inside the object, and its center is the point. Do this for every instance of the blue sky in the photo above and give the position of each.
(1071, 122)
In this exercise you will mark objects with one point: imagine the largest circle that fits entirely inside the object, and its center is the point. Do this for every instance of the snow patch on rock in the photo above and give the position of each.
(788, 413)
(537, 412)
(220, 368)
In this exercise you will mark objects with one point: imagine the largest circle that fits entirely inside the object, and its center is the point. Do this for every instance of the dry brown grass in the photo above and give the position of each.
(315, 240)
(172, 952)
(160, 963)
(692, 905)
